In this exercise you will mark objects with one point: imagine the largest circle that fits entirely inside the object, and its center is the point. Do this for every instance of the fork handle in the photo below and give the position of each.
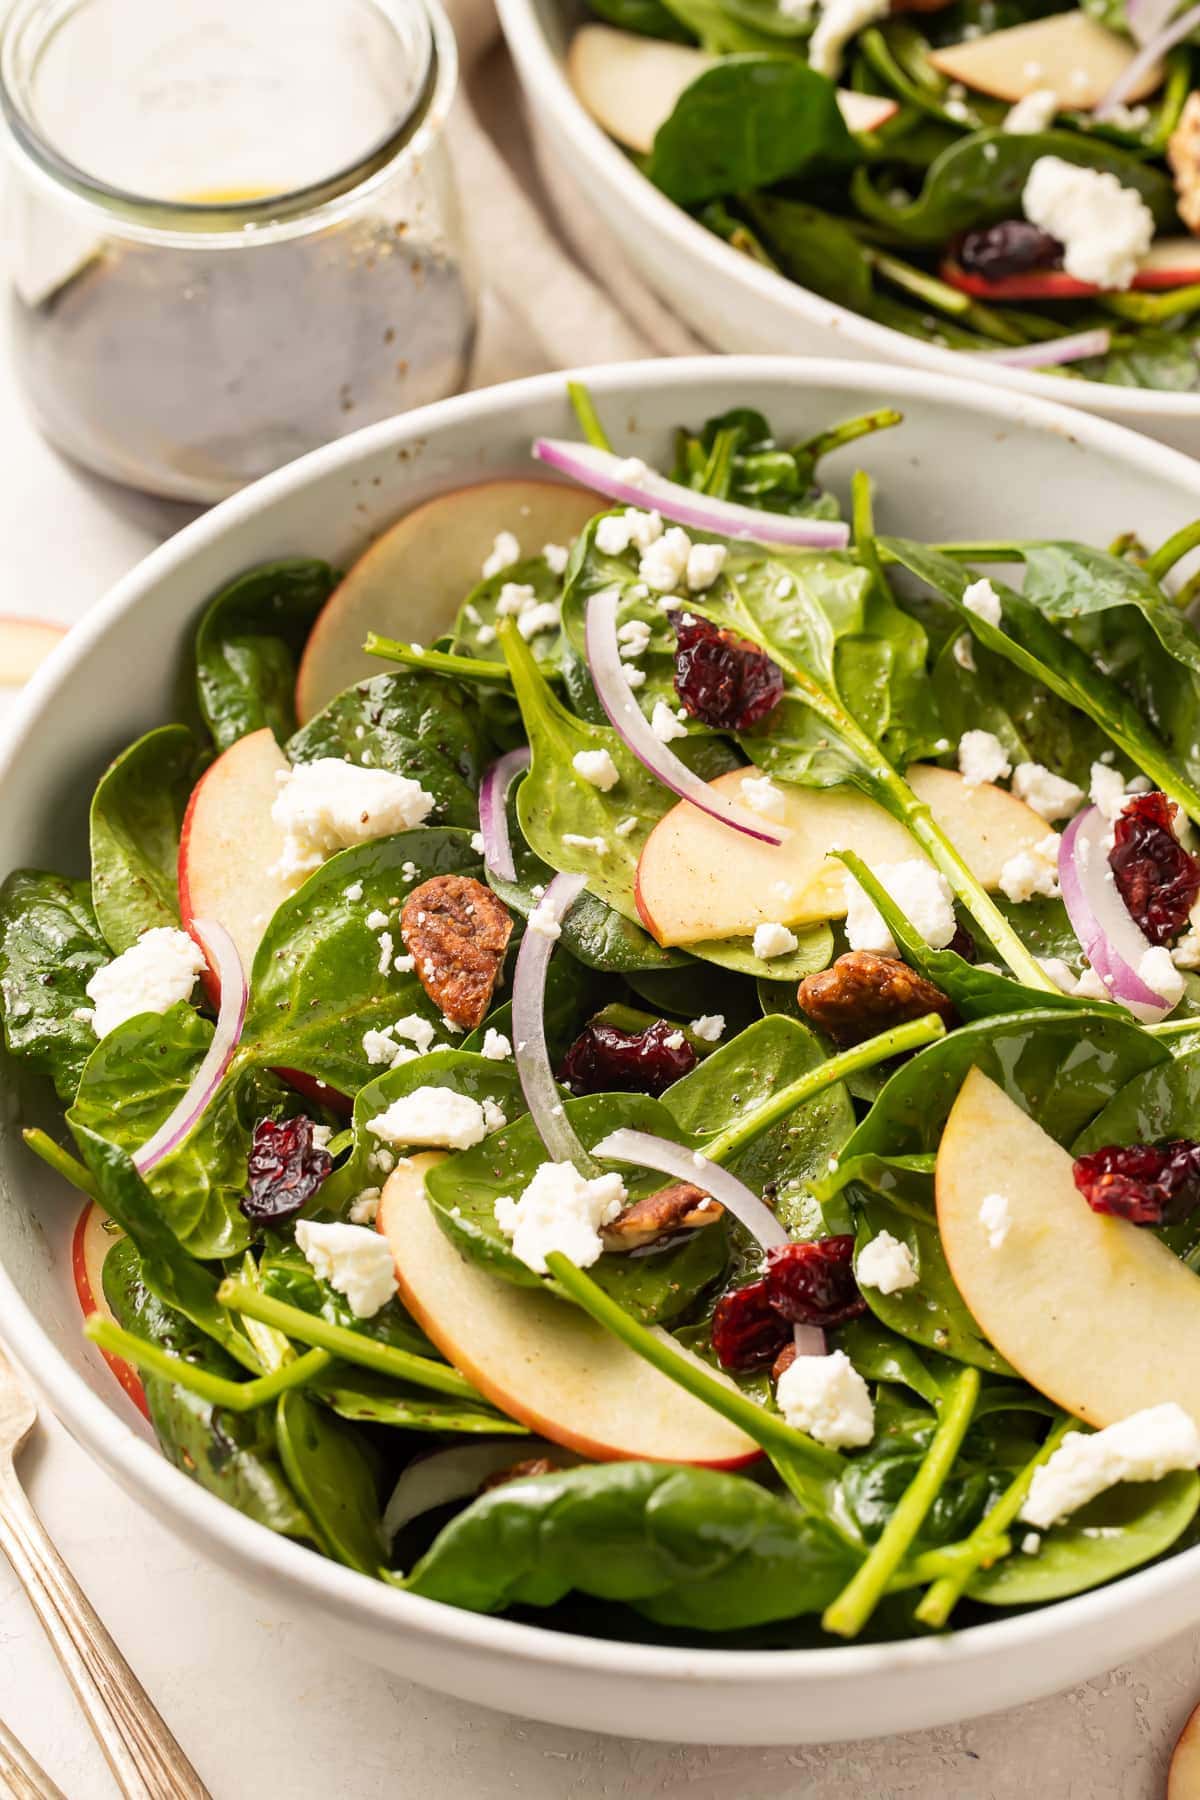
(146, 1761)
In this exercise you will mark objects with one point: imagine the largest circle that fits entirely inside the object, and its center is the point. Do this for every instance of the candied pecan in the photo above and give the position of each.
(862, 994)
(1183, 155)
(531, 1465)
(457, 931)
(680, 1207)
(784, 1360)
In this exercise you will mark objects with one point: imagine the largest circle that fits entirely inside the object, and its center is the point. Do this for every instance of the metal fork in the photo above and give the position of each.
(25, 1778)
(144, 1757)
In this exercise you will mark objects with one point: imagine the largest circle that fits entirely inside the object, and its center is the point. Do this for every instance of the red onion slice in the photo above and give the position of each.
(532, 1056)
(1153, 49)
(493, 812)
(226, 965)
(646, 488)
(633, 728)
(650, 1152)
(1052, 352)
(457, 1473)
(1146, 18)
(1112, 941)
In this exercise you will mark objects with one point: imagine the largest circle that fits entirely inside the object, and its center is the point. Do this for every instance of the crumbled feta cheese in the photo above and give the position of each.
(1105, 228)
(560, 1210)
(663, 564)
(923, 896)
(364, 1207)
(538, 619)
(505, 552)
(828, 1398)
(598, 767)
(1133, 119)
(1107, 791)
(1060, 972)
(632, 470)
(354, 891)
(840, 20)
(709, 1027)
(1090, 986)
(704, 564)
(623, 827)
(404, 965)
(885, 1263)
(1031, 1543)
(496, 1047)
(386, 946)
(964, 653)
(982, 599)
(377, 920)
(494, 1116)
(329, 804)
(1028, 875)
(664, 724)
(675, 1041)
(616, 531)
(995, 1218)
(1159, 971)
(1186, 954)
(477, 843)
(634, 676)
(515, 597)
(356, 1261)
(772, 939)
(433, 1118)
(1049, 795)
(634, 638)
(322, 1136)
(486, 634)
(1144, 1447)
(379, 1048)
(152, 975)
(1033, 113)
(542, 920)
(762, 796)
(982, 757)
(452, 1025)
(555, 557)
(577, 842)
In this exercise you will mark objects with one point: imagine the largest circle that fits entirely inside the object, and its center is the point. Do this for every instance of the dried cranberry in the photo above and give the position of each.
(747, 1332)
(963, 944)
(285, 1169)
(1155, 876)
(1010, 248)
(1148, 1184)
(722, 679)
(606, 1060)
(813, 1284)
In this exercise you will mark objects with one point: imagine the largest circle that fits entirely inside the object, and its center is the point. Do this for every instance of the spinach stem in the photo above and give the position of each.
(897, 1040)
(1162, 560)
(62, 1162)
(589, 418)
(947, 1559)
(981, 552)
(718, 470)
(858, 1599)
(882, 419)
(766, 1428)
(351, 1346)
(1173, 1027)
(218, 1390)
(982, 1546)
(441, 662)
(862, 524)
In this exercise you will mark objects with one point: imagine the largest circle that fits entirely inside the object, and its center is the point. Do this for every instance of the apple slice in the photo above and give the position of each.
(24, 646)
(1095, 1313)
(89, 1246)
(538, 1358)
(1068, 52)
(412, 581)
(694, 883)
(228, 844)
(1183, 1777)
(630, 84)
(1169, 263)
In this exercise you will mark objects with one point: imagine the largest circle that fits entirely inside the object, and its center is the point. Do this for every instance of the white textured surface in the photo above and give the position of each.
(262, 1706)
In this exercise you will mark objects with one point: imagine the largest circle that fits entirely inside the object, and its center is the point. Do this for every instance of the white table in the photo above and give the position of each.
(265, 1708)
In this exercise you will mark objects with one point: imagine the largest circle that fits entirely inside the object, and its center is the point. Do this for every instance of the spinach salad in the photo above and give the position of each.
(667, 1110)
(1015, 179)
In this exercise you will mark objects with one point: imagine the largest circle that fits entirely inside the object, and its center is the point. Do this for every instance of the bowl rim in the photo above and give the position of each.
(112, 1439)
(544, 78)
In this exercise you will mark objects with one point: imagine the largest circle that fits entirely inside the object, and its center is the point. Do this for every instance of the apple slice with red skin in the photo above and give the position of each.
(1068, 53)
(695, 881)
(1169, 263)
(24, 646)
(1183, 1777)
(539, 1359)
(631, 84)
(413, 579)
(1094, 1312)
(89, 1247)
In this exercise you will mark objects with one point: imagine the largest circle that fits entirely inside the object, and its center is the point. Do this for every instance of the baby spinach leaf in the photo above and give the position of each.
(648, 18)
(366, 1399)
(685, 1546)
(413, 724)
(814, 248)
(1129, 1525)
(133, 1080)
(475, 627)
(285, 1274)
(680, 991)
(317, 985)
(1033, 724)
(137, 811)
(655, 1285)
(249, 642)
(880, 1355)
(745, 124)
(50, 947)
(231, 1454)
(1166, 361)
(329, 1466)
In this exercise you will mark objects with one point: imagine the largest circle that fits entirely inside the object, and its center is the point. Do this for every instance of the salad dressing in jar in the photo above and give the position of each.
(234, 234)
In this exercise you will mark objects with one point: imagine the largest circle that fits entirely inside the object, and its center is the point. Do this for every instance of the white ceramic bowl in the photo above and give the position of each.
(970, 463)
(733, 302)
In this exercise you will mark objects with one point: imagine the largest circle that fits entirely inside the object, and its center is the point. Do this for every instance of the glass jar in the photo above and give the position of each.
(232, 230)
